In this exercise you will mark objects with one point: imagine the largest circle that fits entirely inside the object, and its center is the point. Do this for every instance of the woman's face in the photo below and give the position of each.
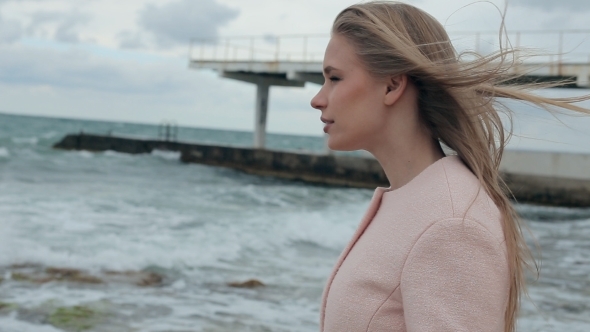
(351, 101)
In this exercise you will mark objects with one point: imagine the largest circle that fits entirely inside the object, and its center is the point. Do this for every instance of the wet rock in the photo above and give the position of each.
(41, 275)
(7, 306)
(56, 274)
(76, 318)
(24, 266)
(150, 279)
(85, 279)
(71, 275)
(252, 283)
(62, 272)
(17, 276)
(139, 278)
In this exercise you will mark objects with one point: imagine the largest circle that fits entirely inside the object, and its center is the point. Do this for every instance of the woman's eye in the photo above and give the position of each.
(334, 78)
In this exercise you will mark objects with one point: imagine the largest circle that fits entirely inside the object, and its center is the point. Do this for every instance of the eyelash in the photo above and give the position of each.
(334, 78)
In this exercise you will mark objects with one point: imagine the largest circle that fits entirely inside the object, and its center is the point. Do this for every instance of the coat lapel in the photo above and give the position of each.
(365, 221)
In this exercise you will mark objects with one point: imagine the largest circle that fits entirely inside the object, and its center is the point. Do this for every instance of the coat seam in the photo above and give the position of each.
(448, 188)
(435, 223)
(380, 306)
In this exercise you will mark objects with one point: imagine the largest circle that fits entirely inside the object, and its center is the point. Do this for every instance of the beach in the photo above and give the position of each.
(116, 242)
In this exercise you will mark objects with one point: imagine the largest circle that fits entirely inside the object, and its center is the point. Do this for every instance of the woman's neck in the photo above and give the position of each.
(404, 145)
(402, 162)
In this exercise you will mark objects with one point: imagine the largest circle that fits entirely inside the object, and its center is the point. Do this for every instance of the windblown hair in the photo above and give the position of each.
(457, 102)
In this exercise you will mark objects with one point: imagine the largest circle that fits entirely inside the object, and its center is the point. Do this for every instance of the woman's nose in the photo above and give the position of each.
(318, 101)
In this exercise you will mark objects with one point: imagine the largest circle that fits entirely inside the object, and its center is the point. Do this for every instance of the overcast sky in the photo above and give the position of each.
(126, 60)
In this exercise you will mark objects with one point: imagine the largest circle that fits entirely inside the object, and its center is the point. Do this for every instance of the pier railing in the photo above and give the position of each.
(549, 46)
(295, 47)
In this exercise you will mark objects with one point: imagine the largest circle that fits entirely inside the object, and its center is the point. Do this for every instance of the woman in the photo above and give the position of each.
(441, 249)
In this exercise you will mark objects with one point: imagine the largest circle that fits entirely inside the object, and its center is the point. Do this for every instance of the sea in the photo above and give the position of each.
(106, 241)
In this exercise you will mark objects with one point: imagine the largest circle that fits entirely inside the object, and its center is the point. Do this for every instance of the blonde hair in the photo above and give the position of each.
(457, 102)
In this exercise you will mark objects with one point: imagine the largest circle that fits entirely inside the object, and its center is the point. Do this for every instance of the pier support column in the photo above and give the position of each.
(260, 117)
(583, 79)
(263, 83)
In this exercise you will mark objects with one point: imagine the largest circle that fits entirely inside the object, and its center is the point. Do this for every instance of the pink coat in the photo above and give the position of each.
(429, 256)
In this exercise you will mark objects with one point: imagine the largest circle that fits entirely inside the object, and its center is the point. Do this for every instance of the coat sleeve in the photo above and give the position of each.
(455, 279)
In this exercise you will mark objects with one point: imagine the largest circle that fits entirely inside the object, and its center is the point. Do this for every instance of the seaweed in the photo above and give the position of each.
(76, 318)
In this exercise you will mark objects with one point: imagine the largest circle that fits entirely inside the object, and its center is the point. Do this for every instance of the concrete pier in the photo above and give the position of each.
(294, 60)
(308, 167)
(528, 175)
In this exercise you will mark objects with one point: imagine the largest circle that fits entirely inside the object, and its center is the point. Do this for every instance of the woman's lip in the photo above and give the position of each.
(327, 123)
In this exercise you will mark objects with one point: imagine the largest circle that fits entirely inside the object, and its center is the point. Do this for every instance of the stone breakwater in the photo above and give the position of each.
(71, 318)
(89, 315)
(321, 168)
(36, 274)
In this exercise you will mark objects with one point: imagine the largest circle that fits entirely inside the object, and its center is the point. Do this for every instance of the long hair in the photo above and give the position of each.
(457, 102)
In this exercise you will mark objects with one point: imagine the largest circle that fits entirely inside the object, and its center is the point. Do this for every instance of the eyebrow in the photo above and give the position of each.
(328, 69)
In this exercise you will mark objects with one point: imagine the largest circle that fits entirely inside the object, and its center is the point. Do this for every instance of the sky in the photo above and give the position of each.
(128, 60)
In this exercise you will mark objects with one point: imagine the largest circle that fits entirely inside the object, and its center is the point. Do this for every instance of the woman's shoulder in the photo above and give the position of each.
(469, 198)
(446, 190)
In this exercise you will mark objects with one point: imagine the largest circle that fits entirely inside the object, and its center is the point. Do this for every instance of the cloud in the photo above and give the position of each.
(10, 30)
(66, 23)
(550, 5)
(63, 25)
(131, 40)
(79, 69)
(99, 83)
(179, 21)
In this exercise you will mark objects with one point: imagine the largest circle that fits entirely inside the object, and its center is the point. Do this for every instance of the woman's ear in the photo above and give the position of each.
(396, 85)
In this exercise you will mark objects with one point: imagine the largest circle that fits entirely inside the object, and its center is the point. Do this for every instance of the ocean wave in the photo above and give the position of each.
(25, 140)
(85, 246)
(168, 155)
(111, 153)
(85, 154)
(327, 230)
(551, 213)
(10, 323)
(4, 153)
(49, 135)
